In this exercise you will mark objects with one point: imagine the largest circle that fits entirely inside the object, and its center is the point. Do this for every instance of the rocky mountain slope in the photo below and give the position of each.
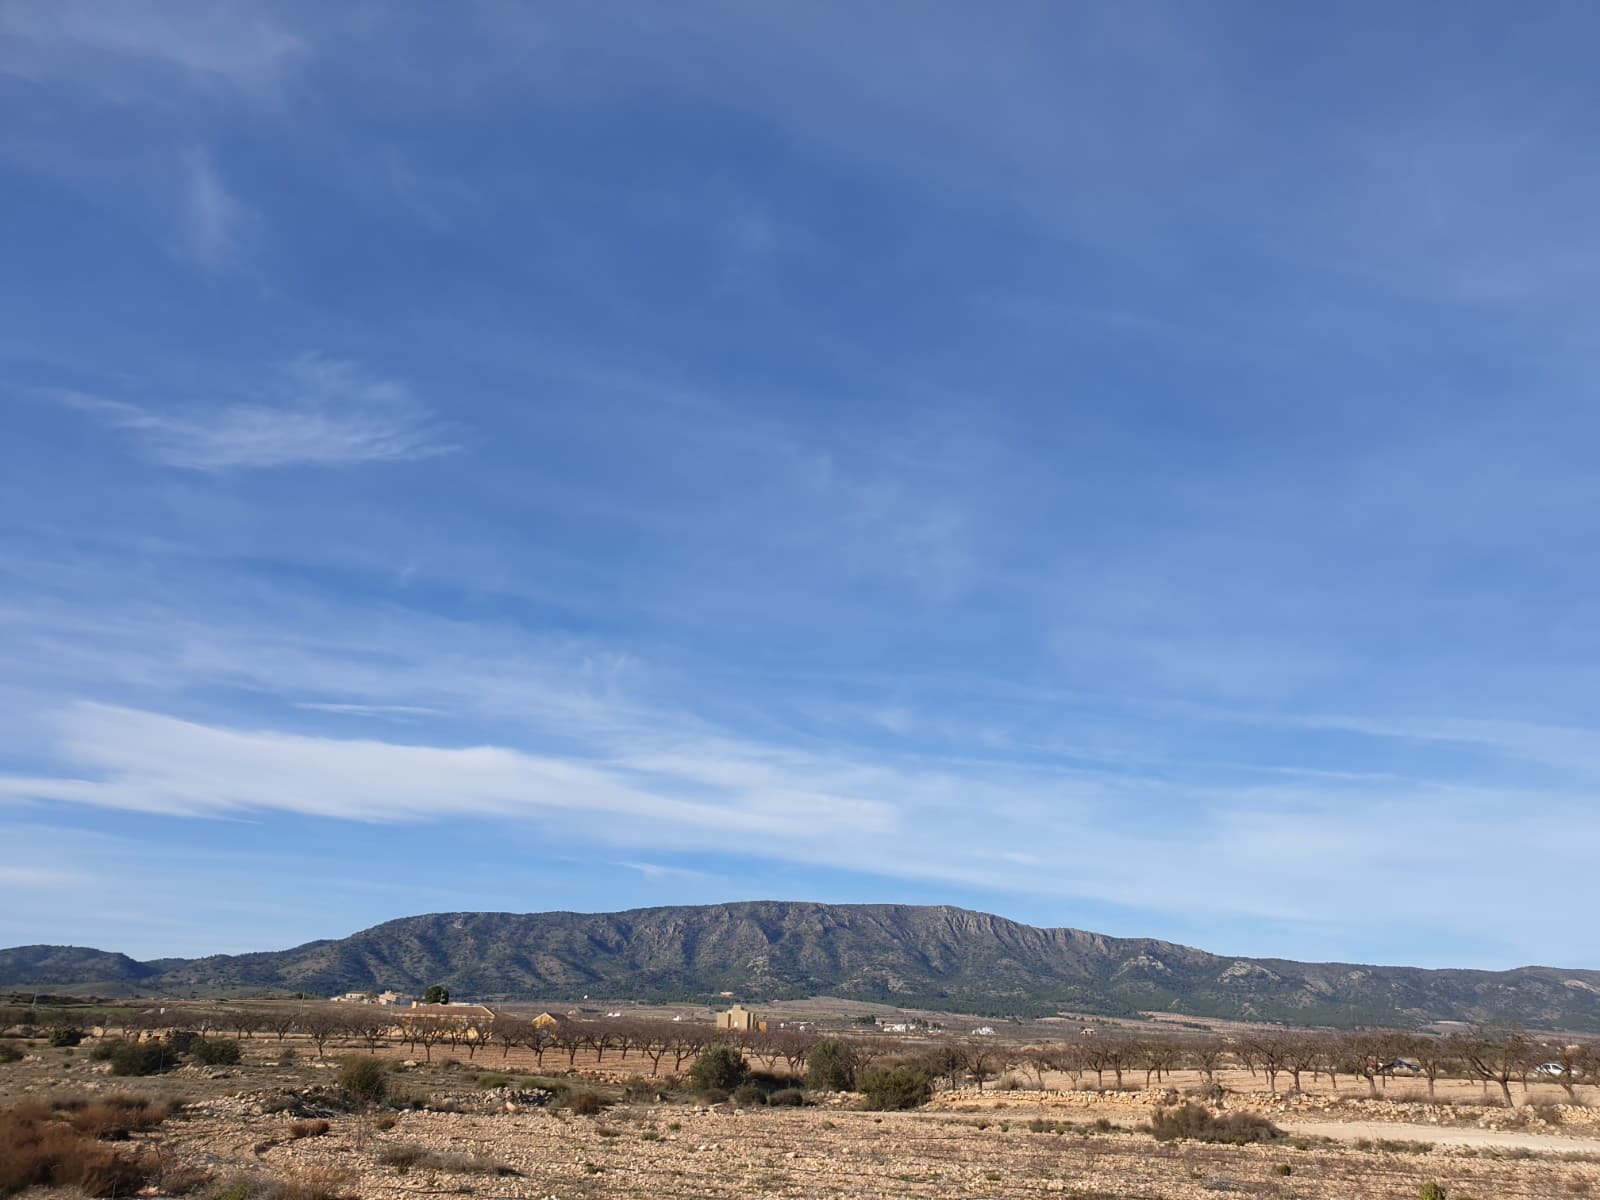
(931, 956)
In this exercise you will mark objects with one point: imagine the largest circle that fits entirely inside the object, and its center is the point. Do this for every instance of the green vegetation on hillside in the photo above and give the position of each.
(932, 957)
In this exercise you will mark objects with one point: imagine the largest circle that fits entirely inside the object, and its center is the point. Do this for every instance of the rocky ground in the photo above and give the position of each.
(670, 1150)
(241, 1123)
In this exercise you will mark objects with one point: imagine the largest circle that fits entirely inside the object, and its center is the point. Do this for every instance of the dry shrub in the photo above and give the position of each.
(38, 1149)
(102, 1171)
(364, 1077)
(115, 1117)
(642, 1087)
(586, 1104)
(402, 1154)
(310, 1183)
(180, 1179)
(408, 1155)
(308, 1129)
(1198, 1124)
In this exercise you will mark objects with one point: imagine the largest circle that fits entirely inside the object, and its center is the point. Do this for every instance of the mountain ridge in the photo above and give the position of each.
(933, 956)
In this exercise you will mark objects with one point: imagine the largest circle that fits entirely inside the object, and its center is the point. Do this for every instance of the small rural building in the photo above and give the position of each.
(738, 1017)
(547, 1021)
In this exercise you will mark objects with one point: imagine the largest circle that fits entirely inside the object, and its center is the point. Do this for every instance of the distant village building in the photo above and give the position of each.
(739, 1018)
(385, 998)
(546, 1021)
(984, 1031)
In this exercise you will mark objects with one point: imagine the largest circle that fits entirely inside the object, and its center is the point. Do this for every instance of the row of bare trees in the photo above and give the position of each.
(1497, 1058)
(1278, 1057)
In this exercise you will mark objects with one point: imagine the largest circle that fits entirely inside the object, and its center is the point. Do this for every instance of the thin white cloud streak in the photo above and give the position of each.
(147, 762)
(322, 413)
(1565, 747)
(1296, 854)
(370, 710)
(213, 223)
(623, 761)
(658, 871)
(228, 40)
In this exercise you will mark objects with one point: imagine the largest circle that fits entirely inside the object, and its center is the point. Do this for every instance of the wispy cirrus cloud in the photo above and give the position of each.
(234, 41)
(1282, 846)
(213, 223)
(321, 412)
(369, 710)
(149, 762)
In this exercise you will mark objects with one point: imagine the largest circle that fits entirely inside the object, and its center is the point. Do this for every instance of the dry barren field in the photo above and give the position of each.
(265, 1130)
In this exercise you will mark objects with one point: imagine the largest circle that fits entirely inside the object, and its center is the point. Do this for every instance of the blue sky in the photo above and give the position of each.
(1123, 466)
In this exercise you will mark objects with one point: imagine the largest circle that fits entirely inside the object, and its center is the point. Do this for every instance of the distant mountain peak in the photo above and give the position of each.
(934, 956)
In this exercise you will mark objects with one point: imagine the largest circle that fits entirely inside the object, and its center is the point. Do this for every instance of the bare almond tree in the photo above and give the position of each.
(1303, 1052)
(1270, 1049)
(511, 1031)
(320, 1023)
(1365, 1054)
(1569, 1059)
(1205, 1056)
(280, 1022)
(370, 1025)
(1496, 1058)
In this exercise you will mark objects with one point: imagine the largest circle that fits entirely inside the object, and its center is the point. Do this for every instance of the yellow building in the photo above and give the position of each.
(738, 1017)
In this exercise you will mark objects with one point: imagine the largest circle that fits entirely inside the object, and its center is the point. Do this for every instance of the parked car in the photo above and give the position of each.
(1557, 1070)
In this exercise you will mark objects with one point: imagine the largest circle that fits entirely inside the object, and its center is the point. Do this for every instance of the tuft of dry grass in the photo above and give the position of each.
(311, 1183)
(113, 1118)
(181, 1179)
(586, 1104)
(308, 1129)
(1198, 1124)
(42, 1147)
(407, 1155)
